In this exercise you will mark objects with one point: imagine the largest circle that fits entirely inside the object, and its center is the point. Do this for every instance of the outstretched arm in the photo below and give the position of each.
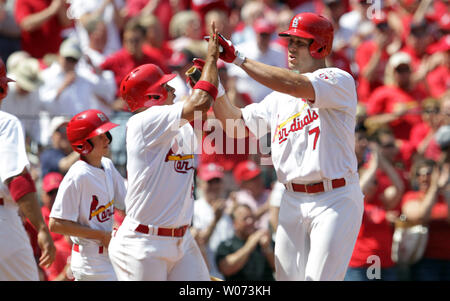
(200, 99)
(276, 78)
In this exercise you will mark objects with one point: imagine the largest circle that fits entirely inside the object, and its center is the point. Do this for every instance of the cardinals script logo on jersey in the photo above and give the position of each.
(298, 123)
(103, 213)
(181, 163)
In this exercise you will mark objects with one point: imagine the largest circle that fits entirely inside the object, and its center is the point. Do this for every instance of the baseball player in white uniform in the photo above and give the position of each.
(87, 196)
(154, 242)
(18, 192)
(311, 117)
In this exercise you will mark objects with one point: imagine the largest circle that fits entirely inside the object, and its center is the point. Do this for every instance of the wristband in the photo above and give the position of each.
(240, 58)
(20, 186)
(207, 87)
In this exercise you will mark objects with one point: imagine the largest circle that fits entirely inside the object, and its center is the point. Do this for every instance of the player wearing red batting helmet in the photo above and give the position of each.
(87, 197)
(160, 157)
(86, 125)
(311, 116)
(144, 86)
(314, 27)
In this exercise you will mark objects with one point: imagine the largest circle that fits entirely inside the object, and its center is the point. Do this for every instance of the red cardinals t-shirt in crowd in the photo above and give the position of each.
(438, 246)
(374, 238)
(386, 99)
(45, 39)
(122, 62)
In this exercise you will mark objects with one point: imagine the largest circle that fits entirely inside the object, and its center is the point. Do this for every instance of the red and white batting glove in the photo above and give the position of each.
(194, 73)
(228, 52)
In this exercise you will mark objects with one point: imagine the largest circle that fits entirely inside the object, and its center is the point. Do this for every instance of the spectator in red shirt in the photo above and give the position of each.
(372, 57)
(375, 235)
(42, 22)
(131, 55)
(397, 103)
(422, 134)
(428, 206)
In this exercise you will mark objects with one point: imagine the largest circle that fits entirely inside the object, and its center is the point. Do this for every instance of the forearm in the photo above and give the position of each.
(200, 100)
(270, 256)
(230, 118)
(71, 228)
(34, 21)
(65, 163)
(367, 177)
(369, 70)
(234, 262)
(393, 201)
(29, 206)
(279, 79)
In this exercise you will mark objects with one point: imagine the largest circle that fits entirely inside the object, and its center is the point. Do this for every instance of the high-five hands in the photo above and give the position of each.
(228, 52)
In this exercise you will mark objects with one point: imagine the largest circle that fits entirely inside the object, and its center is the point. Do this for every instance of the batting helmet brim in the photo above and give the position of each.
(297, 33)
(102, 129)
(164, 79)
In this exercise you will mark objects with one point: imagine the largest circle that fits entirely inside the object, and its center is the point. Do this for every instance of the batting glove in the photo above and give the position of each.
(194, 73)
(228, 52)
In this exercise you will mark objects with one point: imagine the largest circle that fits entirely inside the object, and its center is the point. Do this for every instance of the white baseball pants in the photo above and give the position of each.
(317, 233)
(146, 257)
(88, 264)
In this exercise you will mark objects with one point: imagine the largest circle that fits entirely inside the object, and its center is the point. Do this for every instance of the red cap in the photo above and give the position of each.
(245, 170)
(210, 171)
(263, 26)
(51, 181)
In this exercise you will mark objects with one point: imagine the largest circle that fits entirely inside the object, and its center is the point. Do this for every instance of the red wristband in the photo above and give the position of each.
(207, 87)
(20, 186)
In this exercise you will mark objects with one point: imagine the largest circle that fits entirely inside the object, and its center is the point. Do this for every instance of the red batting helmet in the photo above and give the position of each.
(86, 125)
(143, 87)
(4, 80)
(315, 27)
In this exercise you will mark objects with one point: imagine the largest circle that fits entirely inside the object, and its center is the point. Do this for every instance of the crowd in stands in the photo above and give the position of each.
(70, 56)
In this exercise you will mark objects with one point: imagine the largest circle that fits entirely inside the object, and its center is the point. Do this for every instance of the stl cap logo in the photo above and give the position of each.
(101, 116)
(295, 23)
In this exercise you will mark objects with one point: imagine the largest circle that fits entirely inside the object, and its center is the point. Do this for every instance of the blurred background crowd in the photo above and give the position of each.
(69, 56)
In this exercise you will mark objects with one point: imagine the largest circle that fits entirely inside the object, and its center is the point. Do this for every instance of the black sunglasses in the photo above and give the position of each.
(71, 59)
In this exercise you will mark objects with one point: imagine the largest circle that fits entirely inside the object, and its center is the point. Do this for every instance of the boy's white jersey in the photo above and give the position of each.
(305, 144)
(160, 167)
(87, 195)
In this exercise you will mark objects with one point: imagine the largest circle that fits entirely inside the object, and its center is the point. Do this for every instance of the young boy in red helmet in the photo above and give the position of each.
(87, 196)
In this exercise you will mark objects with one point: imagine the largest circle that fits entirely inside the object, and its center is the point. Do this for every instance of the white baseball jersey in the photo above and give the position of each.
(311, 141)
(16, 256)
(87, 195)
(160, 167)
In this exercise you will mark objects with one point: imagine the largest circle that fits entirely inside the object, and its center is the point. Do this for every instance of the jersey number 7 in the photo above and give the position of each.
(315, 131)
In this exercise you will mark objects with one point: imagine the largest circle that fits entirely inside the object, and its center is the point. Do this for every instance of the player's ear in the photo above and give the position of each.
(109, 136)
